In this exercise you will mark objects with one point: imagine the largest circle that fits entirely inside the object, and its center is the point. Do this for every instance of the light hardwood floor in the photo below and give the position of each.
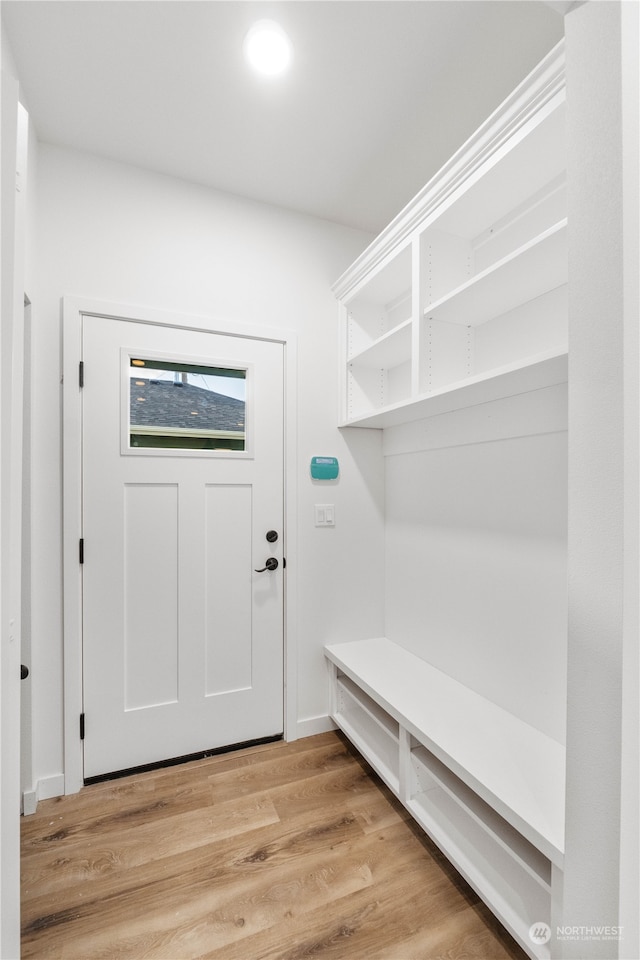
(277, 852)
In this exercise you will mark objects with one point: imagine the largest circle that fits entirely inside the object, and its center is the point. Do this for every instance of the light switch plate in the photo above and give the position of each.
(325, 514)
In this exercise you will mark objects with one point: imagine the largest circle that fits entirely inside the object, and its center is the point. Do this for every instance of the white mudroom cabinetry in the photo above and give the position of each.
(461, 302)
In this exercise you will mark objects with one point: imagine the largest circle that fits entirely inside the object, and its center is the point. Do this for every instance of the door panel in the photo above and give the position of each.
(182, 639)
(228, 520)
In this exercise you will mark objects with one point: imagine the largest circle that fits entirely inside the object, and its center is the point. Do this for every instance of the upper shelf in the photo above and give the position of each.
(533, 269)
(514, 153)
(389, 350)
(534, 373)
(498, 201)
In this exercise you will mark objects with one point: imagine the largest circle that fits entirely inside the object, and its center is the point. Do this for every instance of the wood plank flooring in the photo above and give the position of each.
(280, 852)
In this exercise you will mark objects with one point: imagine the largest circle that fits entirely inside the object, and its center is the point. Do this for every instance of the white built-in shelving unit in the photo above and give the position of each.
(462, 300)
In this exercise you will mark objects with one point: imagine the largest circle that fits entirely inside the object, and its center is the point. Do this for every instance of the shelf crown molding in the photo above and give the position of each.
(545, 83)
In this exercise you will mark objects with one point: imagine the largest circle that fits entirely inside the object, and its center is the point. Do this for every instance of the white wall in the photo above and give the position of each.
(9, 649)
(118, 233)
(603, 485)
(7, 60)
(28, 550)
(630, 781)
(15, 137)
(476, 506)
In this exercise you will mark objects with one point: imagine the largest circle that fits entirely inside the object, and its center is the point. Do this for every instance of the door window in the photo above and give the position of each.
(185, 406)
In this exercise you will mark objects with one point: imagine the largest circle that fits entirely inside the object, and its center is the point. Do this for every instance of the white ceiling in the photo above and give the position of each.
(381, 92)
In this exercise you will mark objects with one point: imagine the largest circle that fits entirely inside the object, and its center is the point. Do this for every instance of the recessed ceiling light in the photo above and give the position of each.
(267, 48)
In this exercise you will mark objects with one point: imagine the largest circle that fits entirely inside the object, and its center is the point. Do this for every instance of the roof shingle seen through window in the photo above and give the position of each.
(168, 404)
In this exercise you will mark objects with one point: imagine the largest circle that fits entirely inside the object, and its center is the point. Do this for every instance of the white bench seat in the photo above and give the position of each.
(515, 768)
(486, 786)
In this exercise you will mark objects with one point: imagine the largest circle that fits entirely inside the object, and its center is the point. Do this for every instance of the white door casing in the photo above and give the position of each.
(171, 335)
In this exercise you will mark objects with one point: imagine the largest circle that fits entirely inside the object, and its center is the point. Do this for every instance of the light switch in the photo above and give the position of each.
(325, 515)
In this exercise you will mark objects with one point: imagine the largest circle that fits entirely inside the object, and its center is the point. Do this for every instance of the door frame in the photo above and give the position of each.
(73, 311)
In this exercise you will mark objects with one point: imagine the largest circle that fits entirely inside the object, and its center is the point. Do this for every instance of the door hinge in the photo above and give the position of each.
(81, 374)
(82, 726)
(81, 550)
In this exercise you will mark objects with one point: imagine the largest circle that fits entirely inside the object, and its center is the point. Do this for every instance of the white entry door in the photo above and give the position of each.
(182, 513)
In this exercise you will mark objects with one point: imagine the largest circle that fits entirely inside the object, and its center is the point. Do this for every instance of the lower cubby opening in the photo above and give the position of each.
(517, 901)
(429, 773)
(500, 864)
(370, 729)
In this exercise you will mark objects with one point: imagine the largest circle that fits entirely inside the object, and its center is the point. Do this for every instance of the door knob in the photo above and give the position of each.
(270, 564)
(24, 672)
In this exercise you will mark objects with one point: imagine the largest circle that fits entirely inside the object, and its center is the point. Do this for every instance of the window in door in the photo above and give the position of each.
(185, 406)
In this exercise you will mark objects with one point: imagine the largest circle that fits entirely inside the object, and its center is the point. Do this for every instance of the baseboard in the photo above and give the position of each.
(51, 787)
(45, 789)
(29, 802)
(314, 725)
